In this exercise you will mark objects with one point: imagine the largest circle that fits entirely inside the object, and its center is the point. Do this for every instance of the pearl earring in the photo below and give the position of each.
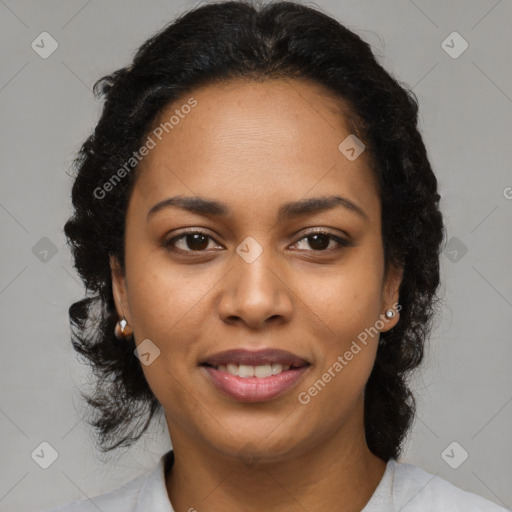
(122, 329)
(390, 313)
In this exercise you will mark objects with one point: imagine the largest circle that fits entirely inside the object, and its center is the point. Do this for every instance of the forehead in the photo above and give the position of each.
(255, 142)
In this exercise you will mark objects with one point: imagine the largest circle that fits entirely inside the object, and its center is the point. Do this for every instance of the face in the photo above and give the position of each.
(257, 277)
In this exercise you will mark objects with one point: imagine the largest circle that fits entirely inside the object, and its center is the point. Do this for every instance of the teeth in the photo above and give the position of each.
(278, 368)
(232, 369)
(261, 371)
(245, 371)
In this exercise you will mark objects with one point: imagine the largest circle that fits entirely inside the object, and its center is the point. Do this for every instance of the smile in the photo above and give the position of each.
(255, 389)
(260, 371)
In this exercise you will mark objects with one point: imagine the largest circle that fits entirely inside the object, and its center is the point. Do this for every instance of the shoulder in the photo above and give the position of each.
(124, 498)
(416, 490)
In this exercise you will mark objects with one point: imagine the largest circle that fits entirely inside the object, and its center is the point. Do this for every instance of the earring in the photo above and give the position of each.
(390, 313)
(122, 329)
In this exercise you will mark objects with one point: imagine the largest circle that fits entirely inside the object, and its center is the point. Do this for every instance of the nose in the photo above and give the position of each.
(255, 293)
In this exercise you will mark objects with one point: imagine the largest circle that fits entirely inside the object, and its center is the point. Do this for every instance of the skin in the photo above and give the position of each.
(255, 146)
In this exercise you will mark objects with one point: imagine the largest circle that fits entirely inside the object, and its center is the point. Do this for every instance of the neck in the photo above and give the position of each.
(339, 470)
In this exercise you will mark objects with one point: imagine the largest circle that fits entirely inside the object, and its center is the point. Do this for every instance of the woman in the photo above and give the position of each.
(258, 224)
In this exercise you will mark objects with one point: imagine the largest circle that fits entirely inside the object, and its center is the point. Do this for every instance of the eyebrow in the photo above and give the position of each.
(308, 206)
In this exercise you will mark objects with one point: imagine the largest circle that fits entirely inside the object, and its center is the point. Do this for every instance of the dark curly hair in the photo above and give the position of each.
(248, 40)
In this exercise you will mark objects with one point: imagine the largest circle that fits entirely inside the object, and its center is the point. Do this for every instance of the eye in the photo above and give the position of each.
(320, 239)
(197, 241)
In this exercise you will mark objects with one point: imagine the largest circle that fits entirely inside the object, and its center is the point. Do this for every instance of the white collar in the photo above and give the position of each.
(153, 494)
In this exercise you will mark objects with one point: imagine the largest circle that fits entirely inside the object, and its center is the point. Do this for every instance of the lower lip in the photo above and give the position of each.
(255, 389)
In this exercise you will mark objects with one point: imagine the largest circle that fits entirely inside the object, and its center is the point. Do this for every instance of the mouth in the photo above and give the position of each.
(255, 376)
(255, 363)
(259, 371)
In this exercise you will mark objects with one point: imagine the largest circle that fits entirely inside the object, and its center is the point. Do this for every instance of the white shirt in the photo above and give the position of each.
(403, 488)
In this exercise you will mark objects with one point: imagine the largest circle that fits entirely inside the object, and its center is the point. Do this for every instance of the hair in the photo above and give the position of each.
(246, 40)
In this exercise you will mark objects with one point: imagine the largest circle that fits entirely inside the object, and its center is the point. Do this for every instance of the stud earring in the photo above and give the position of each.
(122, 329)
(390, 313)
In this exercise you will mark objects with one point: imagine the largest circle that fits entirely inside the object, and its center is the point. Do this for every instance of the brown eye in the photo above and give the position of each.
(320, 240)
(197, 241)
(194, 241)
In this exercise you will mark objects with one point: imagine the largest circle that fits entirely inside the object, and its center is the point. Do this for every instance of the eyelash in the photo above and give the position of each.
(169, 244)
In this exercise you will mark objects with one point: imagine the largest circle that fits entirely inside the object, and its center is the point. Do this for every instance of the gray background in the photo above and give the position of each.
(47, 110)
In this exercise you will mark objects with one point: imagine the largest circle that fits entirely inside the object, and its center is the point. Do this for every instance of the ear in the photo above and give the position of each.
(390, 295)
(119, 289)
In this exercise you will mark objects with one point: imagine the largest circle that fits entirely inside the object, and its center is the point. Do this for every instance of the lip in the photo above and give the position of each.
(255, 358)
(255, 389)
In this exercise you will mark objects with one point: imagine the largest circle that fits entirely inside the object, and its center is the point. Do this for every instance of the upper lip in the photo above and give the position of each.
(255, 357)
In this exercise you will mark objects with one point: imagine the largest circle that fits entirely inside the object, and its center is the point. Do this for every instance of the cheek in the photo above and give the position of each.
(164, 305)
(171, 307)
(163, 299)
(345, 302)
(346, 346)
